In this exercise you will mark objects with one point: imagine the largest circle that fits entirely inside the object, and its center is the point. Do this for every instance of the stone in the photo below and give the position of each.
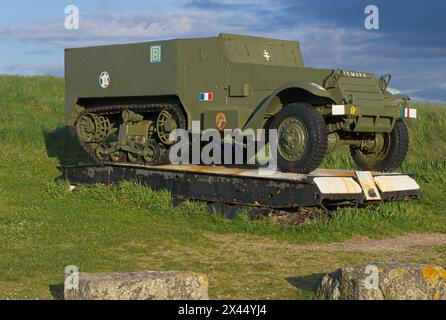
(176, 202)
(258, 213)
(217, 207)
(225, 210)
(140, 285)
(385, 281)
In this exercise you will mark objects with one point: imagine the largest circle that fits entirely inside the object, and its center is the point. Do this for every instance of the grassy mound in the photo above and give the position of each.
(44, 227)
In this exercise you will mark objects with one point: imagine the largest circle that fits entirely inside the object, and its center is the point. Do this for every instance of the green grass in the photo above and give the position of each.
(44, 227)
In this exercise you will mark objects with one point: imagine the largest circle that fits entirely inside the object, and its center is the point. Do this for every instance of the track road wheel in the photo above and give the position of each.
(302, 138)
(390, 153)
(165, 124)
(152, 153)
(116, 156)
(101, 153)
(134, 157)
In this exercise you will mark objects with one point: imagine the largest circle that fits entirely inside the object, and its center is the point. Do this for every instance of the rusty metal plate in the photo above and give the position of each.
(368, 185)
(337, 185)
(396, 183)
(246, 186)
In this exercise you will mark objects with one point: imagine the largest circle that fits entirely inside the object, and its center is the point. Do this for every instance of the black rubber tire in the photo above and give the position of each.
(316, 146)
(397, 151)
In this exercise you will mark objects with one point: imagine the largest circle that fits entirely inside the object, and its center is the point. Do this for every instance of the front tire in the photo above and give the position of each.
(390, 156)
(302, 138)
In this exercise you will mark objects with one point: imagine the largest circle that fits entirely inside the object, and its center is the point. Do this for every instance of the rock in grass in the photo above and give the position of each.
(140, 285)
(393, 281)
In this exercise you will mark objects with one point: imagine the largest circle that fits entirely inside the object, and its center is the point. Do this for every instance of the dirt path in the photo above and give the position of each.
(395, 244)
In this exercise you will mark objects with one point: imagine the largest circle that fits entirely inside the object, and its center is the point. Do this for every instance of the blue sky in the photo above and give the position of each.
(410, 44)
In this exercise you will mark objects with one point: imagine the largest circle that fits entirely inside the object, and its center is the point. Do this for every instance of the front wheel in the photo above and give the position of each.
(302, 138)
(389, 155)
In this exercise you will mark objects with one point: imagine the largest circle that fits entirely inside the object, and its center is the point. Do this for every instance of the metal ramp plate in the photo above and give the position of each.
(337, 185)
(396, 183)
(250, 186)
(368, 185)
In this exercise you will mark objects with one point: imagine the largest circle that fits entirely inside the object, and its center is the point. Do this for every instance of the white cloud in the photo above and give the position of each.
(142, 26)
(323, 45)
(96, 27)
(328, 46)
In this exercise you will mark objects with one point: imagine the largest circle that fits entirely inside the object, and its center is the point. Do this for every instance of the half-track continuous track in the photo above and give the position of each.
(137, 133)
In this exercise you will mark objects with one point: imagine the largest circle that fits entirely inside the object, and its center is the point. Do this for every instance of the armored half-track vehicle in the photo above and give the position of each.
(123, 101)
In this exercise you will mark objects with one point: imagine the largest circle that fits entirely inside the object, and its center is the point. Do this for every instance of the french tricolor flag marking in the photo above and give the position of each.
(409, 113)
(206, 96)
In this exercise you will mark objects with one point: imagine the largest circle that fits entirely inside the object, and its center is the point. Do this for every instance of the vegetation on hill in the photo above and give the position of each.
(44, 227)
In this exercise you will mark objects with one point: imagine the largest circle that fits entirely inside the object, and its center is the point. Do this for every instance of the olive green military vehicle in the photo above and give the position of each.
(123, 101)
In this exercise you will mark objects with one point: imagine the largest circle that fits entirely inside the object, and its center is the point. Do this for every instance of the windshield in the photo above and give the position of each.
(393, 91)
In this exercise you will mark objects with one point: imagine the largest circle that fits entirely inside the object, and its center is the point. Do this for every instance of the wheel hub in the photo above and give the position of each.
(151, 152)
(165, 124)
(170, 125)
(93, 128)
(293, 138)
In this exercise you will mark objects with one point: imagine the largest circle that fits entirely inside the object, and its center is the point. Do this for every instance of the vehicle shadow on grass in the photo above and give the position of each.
(62, 144)
(56, 291)
(308, 283)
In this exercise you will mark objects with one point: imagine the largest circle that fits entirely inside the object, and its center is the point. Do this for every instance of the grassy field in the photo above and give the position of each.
(44, 227)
